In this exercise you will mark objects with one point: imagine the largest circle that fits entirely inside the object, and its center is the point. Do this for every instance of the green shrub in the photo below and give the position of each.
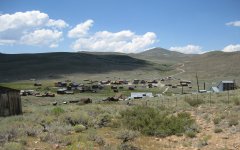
(57, 111)
(51, 137)
(59, 127)
(8, 134)
(33, 130)
(233, 122)
(66, 141)
(44, 137)
(127, 135)
(23, 141)
(216, 120)
(236, 101)
(204, 141)
(194, 102)
(191, 134)
(115, 123)
(77, 118)
(13, 146)
(107, 147)
(97, 139)
(218, 130)
(79, 128)
(127, 146)
(103, 120)
(151, 121)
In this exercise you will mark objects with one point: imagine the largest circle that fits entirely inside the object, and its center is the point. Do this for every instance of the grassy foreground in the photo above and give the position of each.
(170, 122)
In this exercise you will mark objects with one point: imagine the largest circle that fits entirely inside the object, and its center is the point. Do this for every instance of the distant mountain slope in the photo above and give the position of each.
(162, 55)
(215, 65)
(25, 66)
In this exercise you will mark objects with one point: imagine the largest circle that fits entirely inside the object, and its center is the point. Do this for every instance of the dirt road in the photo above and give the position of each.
(180, 72)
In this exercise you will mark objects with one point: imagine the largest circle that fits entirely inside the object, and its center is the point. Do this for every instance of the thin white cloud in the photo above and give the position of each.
(124, 41)
(188, 49)
(234, 23)
(42, 37)
(7, 42)
(80, 29)
(20, 27)
(231, 48)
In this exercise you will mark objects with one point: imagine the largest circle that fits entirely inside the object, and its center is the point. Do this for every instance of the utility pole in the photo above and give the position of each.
(182, 89)
(234, 85)
(204, 86)
(228, 96)
(197, 81)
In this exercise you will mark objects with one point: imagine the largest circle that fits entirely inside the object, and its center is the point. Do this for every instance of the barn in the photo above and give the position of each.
(10, 102)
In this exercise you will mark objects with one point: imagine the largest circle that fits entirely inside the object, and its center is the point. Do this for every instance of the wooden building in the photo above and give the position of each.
(10, 102)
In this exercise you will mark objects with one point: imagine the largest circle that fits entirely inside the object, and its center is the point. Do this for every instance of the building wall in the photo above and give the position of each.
(228, 86)
(220, 86)
(10, 103)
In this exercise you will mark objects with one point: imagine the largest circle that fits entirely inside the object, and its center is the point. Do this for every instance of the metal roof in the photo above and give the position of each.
(227, 81)
(141, 94)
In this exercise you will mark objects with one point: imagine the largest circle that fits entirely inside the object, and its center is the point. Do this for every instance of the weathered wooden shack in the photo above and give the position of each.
(10, 102)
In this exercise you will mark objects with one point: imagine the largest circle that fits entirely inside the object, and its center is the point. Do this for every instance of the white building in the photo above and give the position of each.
(138, 95)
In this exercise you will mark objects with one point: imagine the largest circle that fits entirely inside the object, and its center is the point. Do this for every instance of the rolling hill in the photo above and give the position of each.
(210, 66)
(216, 65)
(161, 55)
(44, 65)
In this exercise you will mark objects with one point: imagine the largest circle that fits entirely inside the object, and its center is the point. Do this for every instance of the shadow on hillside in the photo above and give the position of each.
(52, 65)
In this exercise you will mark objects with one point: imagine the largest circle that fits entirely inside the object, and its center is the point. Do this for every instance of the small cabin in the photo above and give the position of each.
(139, 95)
(10, 102)
(226, 85)
(185, 83)
(136, 81)
(61, 91)
(60, 84)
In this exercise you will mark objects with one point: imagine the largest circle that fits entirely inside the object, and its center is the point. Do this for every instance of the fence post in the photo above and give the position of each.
(228, 96)
(176, 101)
(210, 98)
(162, 100)
(168, 102)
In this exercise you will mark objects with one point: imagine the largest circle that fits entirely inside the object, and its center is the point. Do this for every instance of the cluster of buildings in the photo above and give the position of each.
(10, 99)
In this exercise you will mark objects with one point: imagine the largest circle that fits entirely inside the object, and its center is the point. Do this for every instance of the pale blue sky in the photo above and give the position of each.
(191, 26)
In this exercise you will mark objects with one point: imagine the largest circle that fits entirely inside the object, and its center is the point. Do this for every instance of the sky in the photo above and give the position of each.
(128, 26)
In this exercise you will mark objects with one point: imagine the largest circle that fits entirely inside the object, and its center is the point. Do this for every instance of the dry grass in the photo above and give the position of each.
(103, 120)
